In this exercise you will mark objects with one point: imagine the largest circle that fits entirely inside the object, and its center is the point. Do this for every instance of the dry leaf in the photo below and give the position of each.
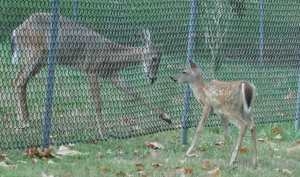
(103, 169)
(3, 164)
(276, 130)
(2, 156)
(143, 173)
(243, 150)
(67, 151)
(154, 153)
(182, 160)
(286, 171)
(188, 170)
(293, 148)
(45, 153)
(154, 145)
(268, 140)
(30, 153)
(34, 161)
(219, 144)
(278, 137)
(156, 165)
(44, 175)
(120, 173)
(140, 167)
(192, 155)
(205, 165)
(215, 172)
(50, 161)
(283, 171)
(278, 157)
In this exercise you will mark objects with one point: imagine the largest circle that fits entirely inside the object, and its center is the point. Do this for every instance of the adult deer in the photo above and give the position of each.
(231, 101)
(80, 49)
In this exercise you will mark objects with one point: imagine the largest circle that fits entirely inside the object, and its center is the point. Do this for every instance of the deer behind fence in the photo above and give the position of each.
(81, 49)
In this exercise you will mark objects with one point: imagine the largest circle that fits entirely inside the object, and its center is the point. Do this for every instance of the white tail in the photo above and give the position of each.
(80, 49)
(231, 101)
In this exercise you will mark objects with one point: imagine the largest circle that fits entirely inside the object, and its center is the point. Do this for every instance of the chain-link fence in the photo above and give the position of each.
(108, 53)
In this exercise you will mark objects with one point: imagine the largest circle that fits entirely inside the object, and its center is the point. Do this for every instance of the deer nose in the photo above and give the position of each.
(152, 80)
(173, 79)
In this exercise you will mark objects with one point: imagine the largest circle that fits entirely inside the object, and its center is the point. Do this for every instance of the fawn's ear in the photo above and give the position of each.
(194, 66)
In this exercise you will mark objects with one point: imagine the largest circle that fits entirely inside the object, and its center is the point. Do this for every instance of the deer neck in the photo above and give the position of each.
(136, 55)
(197, 87)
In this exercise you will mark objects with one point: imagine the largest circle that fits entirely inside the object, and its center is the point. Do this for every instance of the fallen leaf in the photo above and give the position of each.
(219, 144)
(286, 171)
(67, 151)
(278, 137)
(154, 153)
(182, 160)
(188, 170)
(293, 148)
(154, 145)
(50, 161)
(140, 167)
(3, 164)
(34, 161)
(261, 140)
(44, 175)
(278, 157)
(93, 142)
(205, 165)
(120, 173)
(156, 165)
(19, 161)
(2, 156)
(215, 172)
(103, 169)
(45, 153)
(100, 155)
(192, 155)
(243, 150)
(268, 140)
(275, 130)
(30, 153)
(143, 173)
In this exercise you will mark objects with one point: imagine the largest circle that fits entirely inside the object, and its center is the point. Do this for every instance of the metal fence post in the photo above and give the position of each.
(75, 13)
(261, 31)
(50, 73)
(190, 56)
(297, 121)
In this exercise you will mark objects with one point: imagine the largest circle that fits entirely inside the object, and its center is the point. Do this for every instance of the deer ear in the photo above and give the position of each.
(195, 66)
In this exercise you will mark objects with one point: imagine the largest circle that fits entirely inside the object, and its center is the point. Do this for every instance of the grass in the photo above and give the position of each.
(119, 156)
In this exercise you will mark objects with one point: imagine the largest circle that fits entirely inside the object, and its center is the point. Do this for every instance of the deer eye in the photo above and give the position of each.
(184, 72)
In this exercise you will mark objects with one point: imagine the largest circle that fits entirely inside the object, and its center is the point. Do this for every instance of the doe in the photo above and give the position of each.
(81, 49)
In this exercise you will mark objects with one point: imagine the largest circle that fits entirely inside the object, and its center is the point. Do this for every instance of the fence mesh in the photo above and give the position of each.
(107, 41)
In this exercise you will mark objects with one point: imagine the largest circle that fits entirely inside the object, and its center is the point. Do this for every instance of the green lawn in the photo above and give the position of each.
(123, 155)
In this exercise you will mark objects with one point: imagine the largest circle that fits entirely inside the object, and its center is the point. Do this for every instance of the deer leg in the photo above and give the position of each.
(242, 126)
(20, 83)
(250, 121)
(225, 125)
(95, 93)
(205, 114)
(121, 84)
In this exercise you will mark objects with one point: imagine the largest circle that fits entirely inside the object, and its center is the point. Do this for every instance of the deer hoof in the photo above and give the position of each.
(166, 118)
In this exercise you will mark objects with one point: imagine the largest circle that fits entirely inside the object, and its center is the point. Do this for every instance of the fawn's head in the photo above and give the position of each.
(189, 75)
(152, 57)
